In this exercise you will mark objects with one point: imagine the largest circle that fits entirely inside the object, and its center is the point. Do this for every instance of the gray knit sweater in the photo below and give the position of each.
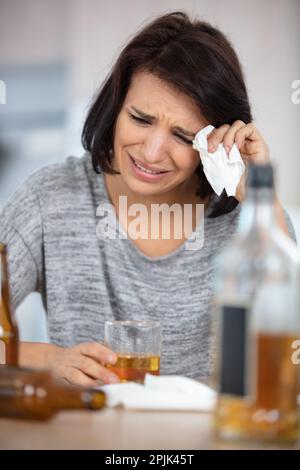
(49, 226)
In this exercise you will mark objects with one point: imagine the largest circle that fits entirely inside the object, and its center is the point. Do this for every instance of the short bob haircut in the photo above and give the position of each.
(192, 56)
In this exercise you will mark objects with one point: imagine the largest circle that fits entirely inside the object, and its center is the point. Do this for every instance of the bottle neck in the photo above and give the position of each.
(258, 211)
(72, 397)
(9, 330)
(4, 289)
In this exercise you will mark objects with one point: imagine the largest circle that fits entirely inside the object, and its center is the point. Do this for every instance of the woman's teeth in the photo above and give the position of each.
(146, 170)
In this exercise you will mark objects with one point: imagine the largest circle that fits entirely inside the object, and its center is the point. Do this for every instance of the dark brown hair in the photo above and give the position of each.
(192, 56)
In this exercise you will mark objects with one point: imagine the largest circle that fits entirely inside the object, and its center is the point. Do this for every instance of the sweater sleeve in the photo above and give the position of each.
(21, 231)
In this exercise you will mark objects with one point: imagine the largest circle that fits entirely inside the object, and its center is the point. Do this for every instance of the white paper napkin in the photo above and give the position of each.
(221, 170)
(161, 393)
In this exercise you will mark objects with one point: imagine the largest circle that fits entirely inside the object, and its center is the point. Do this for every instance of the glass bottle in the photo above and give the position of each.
(9, 337)
(37, 394)
(257, 313)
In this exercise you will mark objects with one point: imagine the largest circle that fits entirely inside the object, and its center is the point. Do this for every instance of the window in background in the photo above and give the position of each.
(32, 134)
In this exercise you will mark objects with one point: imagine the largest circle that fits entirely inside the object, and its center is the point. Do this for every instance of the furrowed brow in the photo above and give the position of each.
(184, 131)
(142, 114)
(152, 118)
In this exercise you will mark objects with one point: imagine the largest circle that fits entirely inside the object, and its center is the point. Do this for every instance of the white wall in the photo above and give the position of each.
(32, 30)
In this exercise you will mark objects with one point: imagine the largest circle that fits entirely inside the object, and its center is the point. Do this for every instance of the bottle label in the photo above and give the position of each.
(234, 336)
(2, 352)
(0, 279)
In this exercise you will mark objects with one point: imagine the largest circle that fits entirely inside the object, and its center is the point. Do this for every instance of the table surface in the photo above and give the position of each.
(119, 429)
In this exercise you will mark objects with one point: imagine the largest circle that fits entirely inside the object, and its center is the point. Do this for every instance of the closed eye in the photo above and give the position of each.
(139, 119)
(186, 141)
(144, 121)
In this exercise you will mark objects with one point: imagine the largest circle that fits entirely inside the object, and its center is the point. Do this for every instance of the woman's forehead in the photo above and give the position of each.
(151, 94)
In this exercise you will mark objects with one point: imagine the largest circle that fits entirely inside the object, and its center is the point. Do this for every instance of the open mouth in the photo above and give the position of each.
(146, 170)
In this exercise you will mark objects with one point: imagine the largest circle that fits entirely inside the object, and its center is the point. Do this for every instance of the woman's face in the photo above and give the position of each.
(154, 131)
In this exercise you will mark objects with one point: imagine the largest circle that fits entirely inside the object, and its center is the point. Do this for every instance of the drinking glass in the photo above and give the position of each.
(137, 345)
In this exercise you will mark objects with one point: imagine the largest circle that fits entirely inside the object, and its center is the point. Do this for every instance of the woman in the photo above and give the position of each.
(173, 79)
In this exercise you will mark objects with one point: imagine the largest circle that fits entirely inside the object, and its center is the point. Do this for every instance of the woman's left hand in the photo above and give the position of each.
(252, 147)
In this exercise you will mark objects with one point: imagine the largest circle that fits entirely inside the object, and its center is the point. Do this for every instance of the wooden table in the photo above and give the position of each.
(118, 429)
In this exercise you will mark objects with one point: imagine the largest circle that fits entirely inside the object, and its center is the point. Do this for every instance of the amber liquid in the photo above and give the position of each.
(272, 413)
(9, 338)
(9, 347)
(133, 368)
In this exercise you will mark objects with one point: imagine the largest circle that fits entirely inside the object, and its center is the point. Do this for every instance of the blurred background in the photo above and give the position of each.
(54, 54)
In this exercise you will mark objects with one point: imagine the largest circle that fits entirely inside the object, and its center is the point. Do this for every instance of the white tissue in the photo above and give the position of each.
(161, 393)
(221, 170)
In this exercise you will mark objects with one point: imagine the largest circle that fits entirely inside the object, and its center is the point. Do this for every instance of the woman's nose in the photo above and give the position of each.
(155, 147)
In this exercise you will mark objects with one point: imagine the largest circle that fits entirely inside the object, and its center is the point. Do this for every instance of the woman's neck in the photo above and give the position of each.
(158, 234)
(182, 194)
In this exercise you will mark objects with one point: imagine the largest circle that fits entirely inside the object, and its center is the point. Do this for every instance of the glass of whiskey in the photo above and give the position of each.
(137, 345)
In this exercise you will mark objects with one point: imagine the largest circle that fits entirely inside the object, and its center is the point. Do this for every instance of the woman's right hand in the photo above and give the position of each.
(83, 364)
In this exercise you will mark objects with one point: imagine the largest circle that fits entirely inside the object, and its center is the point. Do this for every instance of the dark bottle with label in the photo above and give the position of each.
(37, 394)
(9, 338)
(257, 319)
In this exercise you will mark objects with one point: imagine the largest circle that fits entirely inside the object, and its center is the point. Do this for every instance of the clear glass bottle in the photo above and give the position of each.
(257, 319)
(37, 394)
(9, 337)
